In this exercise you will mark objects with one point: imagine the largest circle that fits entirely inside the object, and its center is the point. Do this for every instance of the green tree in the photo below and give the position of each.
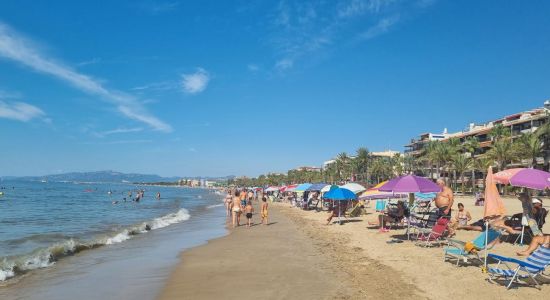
(502, 152)
(471, 146)
(529, 146)
(343, 166)
(461, 163)
(362, 160)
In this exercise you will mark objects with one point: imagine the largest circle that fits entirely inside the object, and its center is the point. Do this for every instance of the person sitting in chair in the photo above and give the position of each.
(392, 216)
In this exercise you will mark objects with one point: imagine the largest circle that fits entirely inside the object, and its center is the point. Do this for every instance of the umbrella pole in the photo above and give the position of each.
(522, 234)
(486, 241)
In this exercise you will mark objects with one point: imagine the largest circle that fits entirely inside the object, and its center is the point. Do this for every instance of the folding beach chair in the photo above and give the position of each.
(456, 249)
(430, 237)
(531, 267)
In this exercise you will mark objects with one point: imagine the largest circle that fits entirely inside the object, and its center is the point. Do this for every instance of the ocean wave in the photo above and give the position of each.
(215, 205)
(45, 257)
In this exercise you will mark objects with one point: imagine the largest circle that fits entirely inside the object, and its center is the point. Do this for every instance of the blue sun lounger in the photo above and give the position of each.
(533, 266)
(455, 248)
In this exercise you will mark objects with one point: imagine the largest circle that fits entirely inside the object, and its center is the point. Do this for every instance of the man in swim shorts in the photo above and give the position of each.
(444, 199)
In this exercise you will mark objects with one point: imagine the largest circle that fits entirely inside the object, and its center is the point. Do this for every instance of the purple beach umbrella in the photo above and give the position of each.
(410, 184)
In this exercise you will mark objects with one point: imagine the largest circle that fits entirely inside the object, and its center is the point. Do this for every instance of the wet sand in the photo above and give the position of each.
(292, 258)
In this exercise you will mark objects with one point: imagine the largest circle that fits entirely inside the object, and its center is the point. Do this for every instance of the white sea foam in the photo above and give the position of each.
(215, 205)
(45, 257)
(169, 219)
(119, 238)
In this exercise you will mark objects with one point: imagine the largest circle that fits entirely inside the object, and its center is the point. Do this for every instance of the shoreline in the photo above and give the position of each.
(290, 258)
(352, 261)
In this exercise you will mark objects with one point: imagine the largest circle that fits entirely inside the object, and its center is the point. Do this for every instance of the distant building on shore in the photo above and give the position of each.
(518, 124)
(308, 169)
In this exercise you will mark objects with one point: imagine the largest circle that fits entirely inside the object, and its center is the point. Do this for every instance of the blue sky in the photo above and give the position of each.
(246, 87)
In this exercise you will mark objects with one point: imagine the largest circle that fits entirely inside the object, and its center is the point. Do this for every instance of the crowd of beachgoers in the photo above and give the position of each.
(430, 219)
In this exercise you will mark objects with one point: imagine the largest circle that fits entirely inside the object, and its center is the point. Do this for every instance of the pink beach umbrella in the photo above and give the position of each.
(410, 184)
(493, 204)
(524, 177)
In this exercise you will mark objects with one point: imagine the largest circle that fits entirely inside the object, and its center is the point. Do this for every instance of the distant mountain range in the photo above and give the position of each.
(109, 176)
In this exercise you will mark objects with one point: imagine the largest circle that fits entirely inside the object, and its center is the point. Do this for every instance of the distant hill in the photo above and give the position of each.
(111, 176)
(101, 176)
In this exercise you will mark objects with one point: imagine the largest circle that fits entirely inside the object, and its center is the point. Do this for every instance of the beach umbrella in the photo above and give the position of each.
(493, 205)
(328, 188)
(302, 187)
(524, 177)
(375, 193)
(354, 187)
(339, 194)
(272, 189)
(288, 188)
(316, 187)
(410, 184)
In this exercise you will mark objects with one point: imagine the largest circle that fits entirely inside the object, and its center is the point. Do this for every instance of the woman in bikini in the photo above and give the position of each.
(460, 220)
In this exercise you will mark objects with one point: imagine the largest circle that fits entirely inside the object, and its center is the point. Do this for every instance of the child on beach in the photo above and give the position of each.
(249, 210)
(264, 210)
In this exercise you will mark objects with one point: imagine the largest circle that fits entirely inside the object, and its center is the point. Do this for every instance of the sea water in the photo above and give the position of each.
(67, 235)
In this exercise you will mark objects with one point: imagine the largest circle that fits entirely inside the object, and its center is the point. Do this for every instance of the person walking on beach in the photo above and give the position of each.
(249, 209)
(264, 210)
(227, 202)
(243, 198)
(444, 199)
(236, 210)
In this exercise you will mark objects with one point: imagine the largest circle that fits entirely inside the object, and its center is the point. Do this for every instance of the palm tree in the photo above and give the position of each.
(343, 165)
(471, 145)
(461, 164)
(428, 155)
(481, 164)
(529, 146)
(502, 153)
(442, 153)
(362, 159)
(499, 132)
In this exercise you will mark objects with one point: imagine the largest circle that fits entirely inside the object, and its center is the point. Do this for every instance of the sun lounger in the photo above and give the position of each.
(430, 237)
(456, 249)
(532, 267)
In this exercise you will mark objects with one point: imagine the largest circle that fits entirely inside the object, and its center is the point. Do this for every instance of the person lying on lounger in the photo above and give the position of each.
(495, 222)
(539, 240)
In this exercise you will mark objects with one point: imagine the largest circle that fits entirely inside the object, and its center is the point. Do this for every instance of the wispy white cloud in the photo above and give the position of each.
(195, 83)
(15, 47)
(20, 111)
(253, 67)
(158, 7)
(118, 131)
(284, 64)
(307, 30)
(380, 28)
(92, 61)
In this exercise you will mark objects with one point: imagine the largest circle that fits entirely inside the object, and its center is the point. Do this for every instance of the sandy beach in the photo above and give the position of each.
(297, 257)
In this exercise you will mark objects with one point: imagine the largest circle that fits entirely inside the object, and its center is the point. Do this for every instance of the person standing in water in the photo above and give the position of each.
(158, 195)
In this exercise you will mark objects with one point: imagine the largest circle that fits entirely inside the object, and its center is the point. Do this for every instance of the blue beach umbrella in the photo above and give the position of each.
(302, 187)
(316, 187)
(339, 194)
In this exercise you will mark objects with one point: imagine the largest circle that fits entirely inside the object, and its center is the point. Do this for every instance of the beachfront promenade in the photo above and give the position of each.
(297, 257)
